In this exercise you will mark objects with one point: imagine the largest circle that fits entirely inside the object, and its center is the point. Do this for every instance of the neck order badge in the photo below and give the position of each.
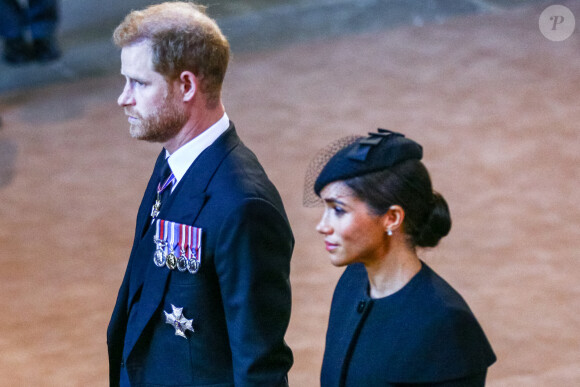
(160, 188)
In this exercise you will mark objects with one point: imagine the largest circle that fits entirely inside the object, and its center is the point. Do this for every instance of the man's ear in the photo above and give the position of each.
(187, 85)
(393, 219)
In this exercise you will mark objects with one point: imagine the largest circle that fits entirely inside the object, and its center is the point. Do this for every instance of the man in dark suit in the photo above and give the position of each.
(206, 296)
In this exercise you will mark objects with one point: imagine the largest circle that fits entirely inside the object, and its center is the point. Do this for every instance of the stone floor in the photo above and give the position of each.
(494, 103)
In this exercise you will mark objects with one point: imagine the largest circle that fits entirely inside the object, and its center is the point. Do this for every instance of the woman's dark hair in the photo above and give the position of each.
(408, 185)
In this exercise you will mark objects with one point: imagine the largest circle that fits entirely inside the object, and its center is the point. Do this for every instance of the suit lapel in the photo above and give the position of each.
(183, 206)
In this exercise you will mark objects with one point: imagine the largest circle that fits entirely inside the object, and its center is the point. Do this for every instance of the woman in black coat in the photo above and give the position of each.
(393, 320)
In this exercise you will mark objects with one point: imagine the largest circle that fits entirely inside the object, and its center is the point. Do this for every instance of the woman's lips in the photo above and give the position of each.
(330, 246)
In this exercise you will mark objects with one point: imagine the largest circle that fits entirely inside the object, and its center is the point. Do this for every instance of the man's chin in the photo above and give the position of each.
(139, 134)
(136, 133)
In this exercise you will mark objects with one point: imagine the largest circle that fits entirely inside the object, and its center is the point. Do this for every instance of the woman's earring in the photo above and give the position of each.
(389, 232)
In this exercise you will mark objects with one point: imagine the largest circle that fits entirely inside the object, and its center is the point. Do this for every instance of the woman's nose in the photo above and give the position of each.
(323, 227)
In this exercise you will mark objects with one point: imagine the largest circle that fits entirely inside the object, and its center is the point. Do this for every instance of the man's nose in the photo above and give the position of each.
(126, 97)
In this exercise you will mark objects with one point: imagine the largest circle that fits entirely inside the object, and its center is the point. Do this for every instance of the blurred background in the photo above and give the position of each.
(479, 83)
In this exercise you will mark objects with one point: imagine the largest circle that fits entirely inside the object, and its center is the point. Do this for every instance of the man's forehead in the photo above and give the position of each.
(135, 57)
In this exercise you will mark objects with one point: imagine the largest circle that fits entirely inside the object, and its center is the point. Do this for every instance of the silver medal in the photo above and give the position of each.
(171, 261)
(159, 255)
(192, 264)
(182, 261)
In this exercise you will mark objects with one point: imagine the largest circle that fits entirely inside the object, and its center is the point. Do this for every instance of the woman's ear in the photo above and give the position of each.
(393, 219)
(187, 85)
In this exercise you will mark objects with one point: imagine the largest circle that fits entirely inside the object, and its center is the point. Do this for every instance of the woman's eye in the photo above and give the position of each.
(339, 211)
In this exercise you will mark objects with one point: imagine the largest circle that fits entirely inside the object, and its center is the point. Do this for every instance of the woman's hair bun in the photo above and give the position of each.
(437, 224)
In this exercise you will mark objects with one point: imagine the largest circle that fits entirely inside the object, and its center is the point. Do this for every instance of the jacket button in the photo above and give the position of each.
(122, 364)
(361, 306)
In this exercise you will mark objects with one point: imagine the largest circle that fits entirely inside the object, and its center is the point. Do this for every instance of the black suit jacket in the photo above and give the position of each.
(239, 299)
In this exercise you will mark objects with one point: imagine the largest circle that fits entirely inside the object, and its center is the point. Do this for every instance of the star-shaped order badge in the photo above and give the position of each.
(178, 321)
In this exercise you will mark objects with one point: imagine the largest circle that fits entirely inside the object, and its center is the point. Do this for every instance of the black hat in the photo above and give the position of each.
(368, 154)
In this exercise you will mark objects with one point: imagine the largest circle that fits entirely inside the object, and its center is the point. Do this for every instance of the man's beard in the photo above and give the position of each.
(162, 125)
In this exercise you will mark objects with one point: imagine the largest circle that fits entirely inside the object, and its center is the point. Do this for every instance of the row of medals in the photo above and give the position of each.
(172, 261)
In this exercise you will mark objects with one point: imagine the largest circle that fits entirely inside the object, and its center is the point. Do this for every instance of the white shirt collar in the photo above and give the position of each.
(181, 159)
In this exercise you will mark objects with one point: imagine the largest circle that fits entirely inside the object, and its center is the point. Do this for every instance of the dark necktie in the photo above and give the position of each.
(164, 171)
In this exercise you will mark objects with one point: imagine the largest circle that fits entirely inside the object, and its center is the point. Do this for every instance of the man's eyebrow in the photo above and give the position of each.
(133, 78)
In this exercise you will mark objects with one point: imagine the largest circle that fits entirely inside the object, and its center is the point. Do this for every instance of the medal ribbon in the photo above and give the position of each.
(164, 235)
(159, 230)
(189, 241)
(195, 243)
(183, 243)
(174, 229)
(168, 181)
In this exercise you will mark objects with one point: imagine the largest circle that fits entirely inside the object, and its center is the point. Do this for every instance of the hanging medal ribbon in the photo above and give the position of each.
(183, 245)
(173, 229)
(160, 188)
(194, 259)
(159, 257)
